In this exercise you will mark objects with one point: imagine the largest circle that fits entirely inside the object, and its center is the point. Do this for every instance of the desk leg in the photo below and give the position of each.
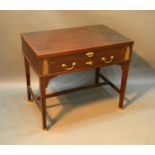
(125, 68)
(27, 73)
(43, 84)
(97, 71)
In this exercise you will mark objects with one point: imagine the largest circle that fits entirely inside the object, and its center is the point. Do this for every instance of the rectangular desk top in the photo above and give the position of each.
(61, 41)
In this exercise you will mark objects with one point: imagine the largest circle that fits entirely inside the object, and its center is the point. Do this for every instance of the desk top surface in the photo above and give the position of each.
(70, 39)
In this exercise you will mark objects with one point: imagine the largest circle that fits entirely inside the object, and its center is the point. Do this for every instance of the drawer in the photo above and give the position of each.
(91, 53)
(103, 59)
(84, 60)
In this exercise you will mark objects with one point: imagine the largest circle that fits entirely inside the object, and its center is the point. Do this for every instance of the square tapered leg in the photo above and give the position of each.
(43, 83)
(125, 69)
(28, 81)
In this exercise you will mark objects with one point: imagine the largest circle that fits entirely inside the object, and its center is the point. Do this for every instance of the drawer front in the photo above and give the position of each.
(86, 60)
(87, 54)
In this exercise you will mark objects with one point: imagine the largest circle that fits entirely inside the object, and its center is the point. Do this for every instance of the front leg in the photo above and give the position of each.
(43, 85)
(125, 69)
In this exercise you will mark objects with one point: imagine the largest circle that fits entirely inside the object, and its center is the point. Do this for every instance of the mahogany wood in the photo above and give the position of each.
(34, 97)
(97, 72)
(28, 82)
(110, 83)
(125, 68)
(74, 90)
(55, 52)
(42, 83)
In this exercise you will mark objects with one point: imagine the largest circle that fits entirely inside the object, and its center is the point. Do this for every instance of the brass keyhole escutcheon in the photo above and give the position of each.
(89, 63)
(89, 54)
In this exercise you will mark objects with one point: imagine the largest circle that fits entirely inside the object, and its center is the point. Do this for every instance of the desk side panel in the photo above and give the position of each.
(31, 57)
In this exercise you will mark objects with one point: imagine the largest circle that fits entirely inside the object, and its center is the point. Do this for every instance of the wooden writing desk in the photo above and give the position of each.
(55, 52)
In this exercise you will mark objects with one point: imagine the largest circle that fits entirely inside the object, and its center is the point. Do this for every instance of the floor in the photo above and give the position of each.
(85, 117)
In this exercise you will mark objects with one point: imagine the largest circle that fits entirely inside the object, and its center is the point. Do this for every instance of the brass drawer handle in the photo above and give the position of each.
(69, 68)
(89, 63)
(107, 61)
(90, 54)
